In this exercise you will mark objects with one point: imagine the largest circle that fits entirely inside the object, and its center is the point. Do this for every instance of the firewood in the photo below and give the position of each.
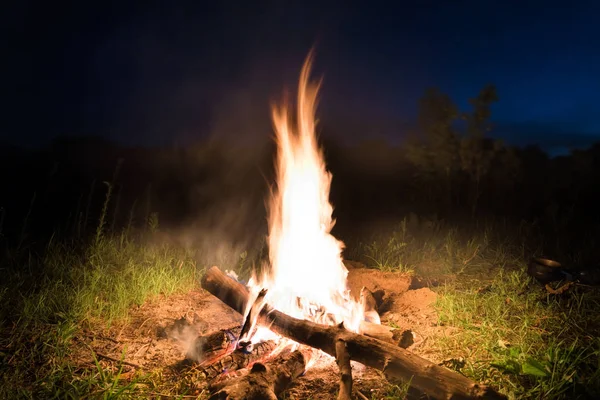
(397, 364)
(369, 305)
(213, 344)
(109, 358)
(376, 331)
(404, 338)
(234, 294)
(343, 361)
(264, 381)
(252, 317)
(236, 360)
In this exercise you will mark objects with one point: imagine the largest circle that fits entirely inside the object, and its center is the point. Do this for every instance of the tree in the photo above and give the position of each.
(476, 151)
(435, 153)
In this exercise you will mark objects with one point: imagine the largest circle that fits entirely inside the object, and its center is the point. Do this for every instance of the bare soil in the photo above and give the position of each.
(375, 280)
(158, 333)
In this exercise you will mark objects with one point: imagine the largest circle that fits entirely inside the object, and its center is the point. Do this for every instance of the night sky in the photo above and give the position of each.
(163, 72)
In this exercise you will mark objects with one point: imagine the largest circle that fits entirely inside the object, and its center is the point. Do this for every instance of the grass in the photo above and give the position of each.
(431, 248)
(101, 282)
(496, 325)
(504, 328)
(528, 343)
(53, 295)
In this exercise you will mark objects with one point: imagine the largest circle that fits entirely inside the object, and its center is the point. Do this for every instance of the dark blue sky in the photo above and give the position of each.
(156, 72)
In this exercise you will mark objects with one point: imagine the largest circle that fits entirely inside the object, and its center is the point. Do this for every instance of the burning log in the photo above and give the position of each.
(396, 363)
(252, 316)
(376, 331)
(369, 304)
(264, 381)
(236, 360)
(236, 295)
(213, 345)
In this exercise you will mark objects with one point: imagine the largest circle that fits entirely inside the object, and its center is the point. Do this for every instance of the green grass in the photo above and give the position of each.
(101, 282)
(526, 342)
(506, 330)
(395, 392)
(53, 295)
(430, 248)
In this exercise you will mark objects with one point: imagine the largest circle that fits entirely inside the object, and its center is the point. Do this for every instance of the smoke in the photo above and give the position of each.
(227, 181)
(196, 347)
(226, 221)
(233, 169)
(226, 177)
(186, 335)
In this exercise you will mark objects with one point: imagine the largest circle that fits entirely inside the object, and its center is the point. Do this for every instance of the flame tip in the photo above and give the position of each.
(307, 278)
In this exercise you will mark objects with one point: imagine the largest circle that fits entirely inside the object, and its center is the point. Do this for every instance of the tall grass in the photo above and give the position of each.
(429, 247)
(506, 330)
(531, 344)
(67, 288)
(48, 294)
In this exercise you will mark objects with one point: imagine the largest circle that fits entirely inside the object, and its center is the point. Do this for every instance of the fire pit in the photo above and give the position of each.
(301, 309)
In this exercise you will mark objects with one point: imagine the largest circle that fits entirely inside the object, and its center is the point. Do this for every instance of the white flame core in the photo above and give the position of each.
(307, 278)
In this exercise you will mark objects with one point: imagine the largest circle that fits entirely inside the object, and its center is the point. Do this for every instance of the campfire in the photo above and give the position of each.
(299, 311)
(306, 277)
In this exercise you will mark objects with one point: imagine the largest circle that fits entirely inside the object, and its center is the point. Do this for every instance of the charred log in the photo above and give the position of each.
(252, 317)
(264, 381)
(234, 294)
(343, 361)
(404, 338)
(235, 360)
(213, 345)
(396, 363)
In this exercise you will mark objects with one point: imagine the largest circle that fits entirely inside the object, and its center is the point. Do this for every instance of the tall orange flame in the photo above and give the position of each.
(307, 277)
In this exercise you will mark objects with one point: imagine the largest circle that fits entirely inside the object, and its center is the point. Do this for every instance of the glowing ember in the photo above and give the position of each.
(307, 278)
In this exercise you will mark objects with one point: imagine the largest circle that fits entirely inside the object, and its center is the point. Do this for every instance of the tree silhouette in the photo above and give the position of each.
(476, 151)
(435, 154)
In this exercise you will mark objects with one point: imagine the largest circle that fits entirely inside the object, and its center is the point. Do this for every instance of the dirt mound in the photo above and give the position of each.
(374, 279)
(411, 301)
(412, 310)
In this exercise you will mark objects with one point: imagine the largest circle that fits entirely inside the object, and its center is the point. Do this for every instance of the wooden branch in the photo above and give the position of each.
(359, 394)
(263, 381)
(94, 336)
(560, 290)
(251, 318)
(343, 361)
(236, 296)
(381, 332)
(213, 344)
(109, 358)
(369, 305)
(236, 360)
(396, 363)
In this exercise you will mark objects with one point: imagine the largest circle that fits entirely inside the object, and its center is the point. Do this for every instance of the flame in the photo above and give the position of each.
(307, 277)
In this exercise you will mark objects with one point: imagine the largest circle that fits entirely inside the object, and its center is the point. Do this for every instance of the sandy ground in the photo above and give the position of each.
(159, 332)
